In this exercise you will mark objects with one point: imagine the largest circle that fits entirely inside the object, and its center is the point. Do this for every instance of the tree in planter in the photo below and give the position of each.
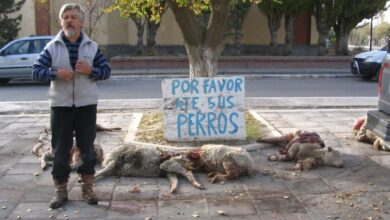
(348, 13)
(273, 10)
(291, 10)
(143, 17)
(94, 12)
(9, 25)
(140, 25)
(152, 27)
(235, 23)
(323, 11)
(203, 44)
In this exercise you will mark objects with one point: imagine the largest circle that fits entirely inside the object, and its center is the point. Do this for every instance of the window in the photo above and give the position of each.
(20, 47)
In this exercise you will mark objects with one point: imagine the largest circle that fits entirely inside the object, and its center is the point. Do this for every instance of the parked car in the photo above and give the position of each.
(18, 56)
(368, 64)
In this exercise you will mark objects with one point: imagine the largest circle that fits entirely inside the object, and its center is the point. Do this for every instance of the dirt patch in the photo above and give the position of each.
(151, 130)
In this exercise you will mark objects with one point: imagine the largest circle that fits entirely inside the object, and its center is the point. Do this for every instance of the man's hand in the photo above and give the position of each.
(65, 74)
(83, 67)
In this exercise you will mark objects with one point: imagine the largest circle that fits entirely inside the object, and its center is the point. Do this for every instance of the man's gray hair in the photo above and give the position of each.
(71, 6)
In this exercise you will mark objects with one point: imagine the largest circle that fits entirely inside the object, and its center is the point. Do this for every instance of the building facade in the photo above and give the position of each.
(119, 35)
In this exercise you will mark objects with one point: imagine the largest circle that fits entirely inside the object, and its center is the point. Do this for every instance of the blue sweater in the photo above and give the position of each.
(60, 53)
(42, 70)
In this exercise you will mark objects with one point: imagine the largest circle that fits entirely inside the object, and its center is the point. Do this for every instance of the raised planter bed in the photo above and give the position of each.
(242, 62)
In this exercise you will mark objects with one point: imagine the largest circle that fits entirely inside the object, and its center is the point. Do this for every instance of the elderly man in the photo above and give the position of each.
(73, 64)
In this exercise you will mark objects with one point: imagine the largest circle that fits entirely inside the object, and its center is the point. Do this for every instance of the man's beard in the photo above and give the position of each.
(69, 32)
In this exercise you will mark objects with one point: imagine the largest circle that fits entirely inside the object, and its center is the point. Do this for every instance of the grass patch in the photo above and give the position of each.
(151, 130)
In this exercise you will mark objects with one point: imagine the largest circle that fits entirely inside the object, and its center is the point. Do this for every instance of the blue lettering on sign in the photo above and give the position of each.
(181, 120)
(239, 81)
(216, 124)
(222, 123)
(210, 103)
(229, 101)
(195, 103)
(186, 103)
(199, 123)
(234, 114)
(185, 86)
(191, 123)
(221, 102)
(210, 123)
(175, 85)
(216, 120)
(222, 85)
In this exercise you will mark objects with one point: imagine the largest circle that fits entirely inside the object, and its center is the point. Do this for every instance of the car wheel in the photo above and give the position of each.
(4, 81)
(370, 77)
(376, 77)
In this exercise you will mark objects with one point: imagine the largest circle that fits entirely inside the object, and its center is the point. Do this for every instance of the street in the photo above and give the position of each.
(147, 88)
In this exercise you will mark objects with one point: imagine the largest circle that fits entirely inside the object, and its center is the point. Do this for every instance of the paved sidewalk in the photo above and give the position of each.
(360, 190)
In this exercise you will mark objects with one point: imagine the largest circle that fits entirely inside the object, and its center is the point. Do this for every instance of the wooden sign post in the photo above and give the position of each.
(204, 108)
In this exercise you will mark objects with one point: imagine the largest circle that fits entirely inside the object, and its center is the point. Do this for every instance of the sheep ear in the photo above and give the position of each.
(330, 149)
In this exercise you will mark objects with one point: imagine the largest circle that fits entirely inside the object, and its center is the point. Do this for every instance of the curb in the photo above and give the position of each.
(249, 76)
(121, 105)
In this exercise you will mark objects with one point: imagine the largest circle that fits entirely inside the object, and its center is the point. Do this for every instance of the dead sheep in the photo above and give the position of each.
(143, 161)
(365, 135)
(221, 162)
(310, 155)
(43, 151)
(285, 141)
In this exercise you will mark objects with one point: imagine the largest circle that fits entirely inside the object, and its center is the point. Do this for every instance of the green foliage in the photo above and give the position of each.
(271, 8)
(154, 8)
(235, 23)
(9, 25)
(360, 36)
(295, 7)
(348, 13)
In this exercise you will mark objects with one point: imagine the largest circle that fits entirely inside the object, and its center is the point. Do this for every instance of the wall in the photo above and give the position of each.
(28, 19)
(122, 32)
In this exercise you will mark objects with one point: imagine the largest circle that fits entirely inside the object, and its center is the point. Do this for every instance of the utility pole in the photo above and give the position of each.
(371, 34)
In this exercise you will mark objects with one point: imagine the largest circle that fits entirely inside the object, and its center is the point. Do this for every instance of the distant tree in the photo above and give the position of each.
(273, 10)
(235, 23)
(323, 11)
(152, 27)
(381, 33)
(291, 10)
(203, 44)
(348, 13)
(144, 20)
(9, 23)
(359, 36)
(140, 25)
(94, 12)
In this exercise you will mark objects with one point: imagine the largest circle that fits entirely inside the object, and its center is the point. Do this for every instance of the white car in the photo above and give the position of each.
(18, 57)
(368, 64)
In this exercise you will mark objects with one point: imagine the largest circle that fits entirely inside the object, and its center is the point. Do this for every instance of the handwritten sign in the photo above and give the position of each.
(204, 108)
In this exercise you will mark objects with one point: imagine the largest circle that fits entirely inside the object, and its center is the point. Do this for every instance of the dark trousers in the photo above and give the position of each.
(66, 122)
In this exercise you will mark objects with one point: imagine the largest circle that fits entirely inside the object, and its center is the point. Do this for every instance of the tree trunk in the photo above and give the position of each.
(273, 26)
(203, 45)
(203, 61)
(237, 42)
(321, 43)
(289, 27)
(140, 34)
(342, 43)
(151, 37)
(342, 35)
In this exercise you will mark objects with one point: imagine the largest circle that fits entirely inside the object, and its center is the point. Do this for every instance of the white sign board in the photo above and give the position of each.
(204, 108)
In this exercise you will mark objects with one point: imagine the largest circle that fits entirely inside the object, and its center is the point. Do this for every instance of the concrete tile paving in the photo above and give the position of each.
(359, 190)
